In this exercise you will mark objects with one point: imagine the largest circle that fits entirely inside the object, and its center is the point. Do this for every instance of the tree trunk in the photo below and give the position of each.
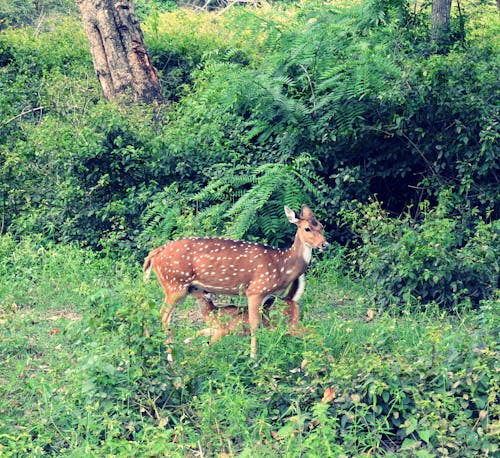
(440, 20)
(121, 59)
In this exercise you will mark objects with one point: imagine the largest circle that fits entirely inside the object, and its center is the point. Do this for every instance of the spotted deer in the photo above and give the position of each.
(221, 320)
(222, 266)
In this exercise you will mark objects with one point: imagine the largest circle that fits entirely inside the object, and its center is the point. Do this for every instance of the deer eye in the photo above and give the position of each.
(307, 229)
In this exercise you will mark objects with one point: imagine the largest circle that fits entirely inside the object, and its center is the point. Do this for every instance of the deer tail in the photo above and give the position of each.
(148, 263)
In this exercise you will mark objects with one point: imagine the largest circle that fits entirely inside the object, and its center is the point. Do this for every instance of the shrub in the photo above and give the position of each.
(17, 13)
(446, 258)
(89, 182)
(250, 89)
(182, 41)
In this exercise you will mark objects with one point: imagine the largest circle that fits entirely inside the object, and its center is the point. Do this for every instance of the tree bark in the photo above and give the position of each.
(121, 59)
(440, 20)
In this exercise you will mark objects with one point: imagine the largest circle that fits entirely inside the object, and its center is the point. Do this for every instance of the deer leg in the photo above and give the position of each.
(292, 310)
(254, 303)
(218, 333)
(167, 309)
(224, 321)
(166, 316)
(219, 328)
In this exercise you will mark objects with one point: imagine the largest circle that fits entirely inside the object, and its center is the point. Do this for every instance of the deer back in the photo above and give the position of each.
(223, 266)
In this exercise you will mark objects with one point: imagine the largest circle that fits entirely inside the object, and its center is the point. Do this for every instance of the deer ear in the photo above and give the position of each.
(290, 214)
(306, 212)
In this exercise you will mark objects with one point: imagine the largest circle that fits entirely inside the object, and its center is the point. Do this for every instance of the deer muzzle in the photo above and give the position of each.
(324, 246)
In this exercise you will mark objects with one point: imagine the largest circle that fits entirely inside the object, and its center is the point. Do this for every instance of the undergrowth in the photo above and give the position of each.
(448, 257)
(85, 372)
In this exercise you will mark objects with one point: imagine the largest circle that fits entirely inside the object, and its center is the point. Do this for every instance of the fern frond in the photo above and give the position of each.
(223, 187)
(258, 203)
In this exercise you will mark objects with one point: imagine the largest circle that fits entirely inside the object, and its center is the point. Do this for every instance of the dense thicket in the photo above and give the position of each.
(317, 103)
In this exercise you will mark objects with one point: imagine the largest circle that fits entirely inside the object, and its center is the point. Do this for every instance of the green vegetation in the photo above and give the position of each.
(80, 376)
(348, 107)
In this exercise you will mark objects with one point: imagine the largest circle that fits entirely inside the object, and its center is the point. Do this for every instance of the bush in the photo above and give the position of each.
(89, 182)
(445, 258)
(250, 90)
(17, 13)
(183, 41)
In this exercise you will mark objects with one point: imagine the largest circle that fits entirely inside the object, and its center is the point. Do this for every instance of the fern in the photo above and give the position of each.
(160, 219)
(270, 177)
(223, 188)
(253, 198)
(274, 110)
(338, 70)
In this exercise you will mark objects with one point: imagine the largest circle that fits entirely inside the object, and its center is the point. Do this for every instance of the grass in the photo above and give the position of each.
(79, 375)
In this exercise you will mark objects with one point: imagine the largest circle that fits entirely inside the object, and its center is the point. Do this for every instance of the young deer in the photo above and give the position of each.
(225, 319)
(223, 266)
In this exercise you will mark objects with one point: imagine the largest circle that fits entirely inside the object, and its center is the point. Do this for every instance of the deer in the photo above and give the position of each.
(201, 265)
(222, 320)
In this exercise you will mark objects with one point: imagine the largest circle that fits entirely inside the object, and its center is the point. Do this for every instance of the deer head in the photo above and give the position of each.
(310, 230)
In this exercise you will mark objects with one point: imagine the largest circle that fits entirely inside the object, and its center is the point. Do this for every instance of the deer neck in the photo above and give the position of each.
(297, 257)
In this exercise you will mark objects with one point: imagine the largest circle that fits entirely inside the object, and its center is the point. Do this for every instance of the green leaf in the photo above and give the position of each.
(425, 435)
(410, 444)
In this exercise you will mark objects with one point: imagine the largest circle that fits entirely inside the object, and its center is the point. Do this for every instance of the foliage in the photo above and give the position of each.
(89, 187)
(448, 258)
(181, 41)
(84, 371)
(152, 8)
(244, 202)
(241, 198)
(319, 103)
(250, 88)
(16, 13)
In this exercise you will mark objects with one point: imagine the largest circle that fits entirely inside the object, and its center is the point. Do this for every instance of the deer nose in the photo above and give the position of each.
(325, 245)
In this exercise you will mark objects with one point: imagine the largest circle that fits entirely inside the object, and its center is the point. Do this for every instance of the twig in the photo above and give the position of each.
(231, 3)
(313, 97)
(20, 115)
(41, 18)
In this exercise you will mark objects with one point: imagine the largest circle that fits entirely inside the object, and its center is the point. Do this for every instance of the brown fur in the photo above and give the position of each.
(223, 266)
